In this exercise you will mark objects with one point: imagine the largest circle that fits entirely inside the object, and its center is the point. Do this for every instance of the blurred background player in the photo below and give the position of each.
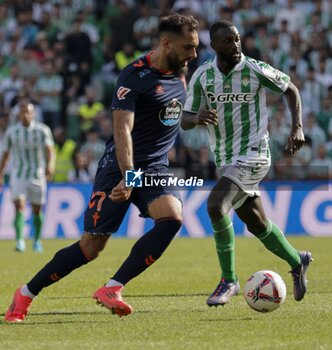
(147, 108)
(233, 88)
(30, 145)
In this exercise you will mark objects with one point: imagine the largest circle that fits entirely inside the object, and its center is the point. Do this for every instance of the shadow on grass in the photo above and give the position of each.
(138, 296)
(229, 319)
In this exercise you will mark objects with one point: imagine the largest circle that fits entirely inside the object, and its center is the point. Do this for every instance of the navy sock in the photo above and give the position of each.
(64, 261)
(148, 249)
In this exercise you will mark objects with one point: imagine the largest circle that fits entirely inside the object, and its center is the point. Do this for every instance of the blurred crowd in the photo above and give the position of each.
(65, 55)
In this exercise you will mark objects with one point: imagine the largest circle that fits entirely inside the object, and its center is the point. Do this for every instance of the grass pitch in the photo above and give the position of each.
(169, 301)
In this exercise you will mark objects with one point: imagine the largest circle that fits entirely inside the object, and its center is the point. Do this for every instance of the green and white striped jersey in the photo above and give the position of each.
(240, 101)
(27, 149)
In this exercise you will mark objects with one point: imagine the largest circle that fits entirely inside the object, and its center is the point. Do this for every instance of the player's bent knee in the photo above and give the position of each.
(166, 207)
(92, 245)
(216, 210)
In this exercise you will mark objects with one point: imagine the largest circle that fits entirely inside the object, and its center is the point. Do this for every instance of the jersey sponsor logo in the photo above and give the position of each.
(230, 97)
(170, 115)
(122, 92)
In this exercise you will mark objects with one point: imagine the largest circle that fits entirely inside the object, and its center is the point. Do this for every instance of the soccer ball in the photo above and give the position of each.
(265, 291)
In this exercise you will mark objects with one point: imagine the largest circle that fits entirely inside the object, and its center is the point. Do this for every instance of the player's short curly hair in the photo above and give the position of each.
(175, 24)
(219, 25)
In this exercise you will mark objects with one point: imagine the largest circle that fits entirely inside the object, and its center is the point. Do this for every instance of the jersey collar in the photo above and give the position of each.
(31, 126)
(148, 59)
(238, 67)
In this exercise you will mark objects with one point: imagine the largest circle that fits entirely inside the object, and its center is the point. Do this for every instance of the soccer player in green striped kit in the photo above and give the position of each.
(31, 146)
(227, 95)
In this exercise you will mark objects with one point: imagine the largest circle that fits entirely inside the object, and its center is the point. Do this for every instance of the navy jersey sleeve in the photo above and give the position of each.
(126, 90)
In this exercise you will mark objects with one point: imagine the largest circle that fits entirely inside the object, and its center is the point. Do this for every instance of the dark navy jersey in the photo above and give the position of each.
(157, 99)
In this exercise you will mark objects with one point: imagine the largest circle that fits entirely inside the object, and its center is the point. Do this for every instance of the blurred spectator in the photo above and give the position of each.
(311, 93)
(64, 150)
(28, 66)
(121, 25)
(78, 47)
(321, 165)
(126, 55)
(284, 36)
(4, 68)
(145, 27)
(279, 133)
(39, 8)
(48, 90)
(249, 48)
(104, 125)
(10, 86)
(323, 75)
(7, 23)
(292, 15)
(316, 134)
(28, 28)
(88, 109)
(81, 172)
(93, 147)
(276, 52)
(226, 13)
(304, 157)
(246, 17)
(175, 166)
(204, 168)
(324, 117)
(287, 168)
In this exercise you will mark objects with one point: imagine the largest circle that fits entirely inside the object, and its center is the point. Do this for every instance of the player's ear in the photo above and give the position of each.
(165, 42)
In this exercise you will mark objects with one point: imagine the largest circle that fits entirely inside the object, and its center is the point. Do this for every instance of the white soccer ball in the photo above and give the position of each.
(265, 291)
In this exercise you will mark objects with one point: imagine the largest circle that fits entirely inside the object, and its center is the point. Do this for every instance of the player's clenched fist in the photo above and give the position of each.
(120, 192)
(208, 117)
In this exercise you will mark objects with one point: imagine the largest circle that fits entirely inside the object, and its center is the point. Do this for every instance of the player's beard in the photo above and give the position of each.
(175, 65)
(230, 59)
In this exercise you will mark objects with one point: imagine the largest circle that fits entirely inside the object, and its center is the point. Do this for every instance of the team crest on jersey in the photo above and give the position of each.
(227, 87)
(122, 92)
(170, 114)
(245, 81)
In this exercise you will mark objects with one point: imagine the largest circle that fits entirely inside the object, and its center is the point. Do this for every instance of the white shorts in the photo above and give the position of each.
(33, 190)
(247, 173)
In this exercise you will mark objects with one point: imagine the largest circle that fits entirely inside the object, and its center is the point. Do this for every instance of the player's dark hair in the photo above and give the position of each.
(175, 24)
(219, 25)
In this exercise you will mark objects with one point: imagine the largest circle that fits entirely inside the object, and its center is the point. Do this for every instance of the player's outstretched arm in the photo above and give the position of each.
(206, 117)
(296, 138)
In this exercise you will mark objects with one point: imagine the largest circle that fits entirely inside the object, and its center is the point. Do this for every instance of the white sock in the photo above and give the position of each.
(25, 291)
(113, 283)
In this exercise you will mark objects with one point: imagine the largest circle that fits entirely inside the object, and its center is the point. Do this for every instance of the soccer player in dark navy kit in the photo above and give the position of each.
(147, 107)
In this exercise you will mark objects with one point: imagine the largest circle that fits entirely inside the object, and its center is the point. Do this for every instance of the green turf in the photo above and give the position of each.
(169, 302)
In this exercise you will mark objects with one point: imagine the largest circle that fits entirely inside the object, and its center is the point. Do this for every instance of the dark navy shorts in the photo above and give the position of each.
(103, 216)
